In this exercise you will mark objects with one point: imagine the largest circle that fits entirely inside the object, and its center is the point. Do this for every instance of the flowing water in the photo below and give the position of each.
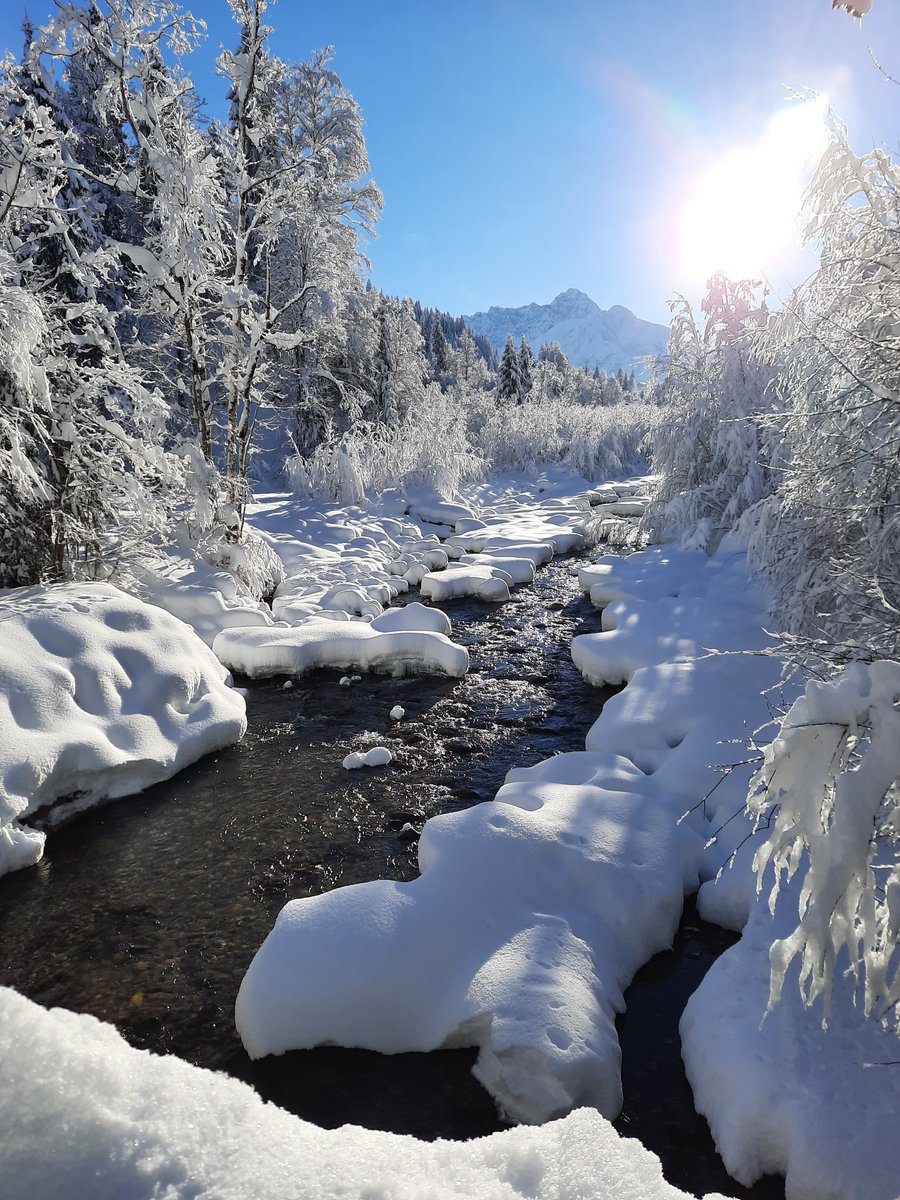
(147, 912)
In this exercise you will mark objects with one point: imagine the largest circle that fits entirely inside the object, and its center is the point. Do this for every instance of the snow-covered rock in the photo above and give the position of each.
(343, 645)
(378, 756)
(101, 695)
(413, 616)
(84, 1115)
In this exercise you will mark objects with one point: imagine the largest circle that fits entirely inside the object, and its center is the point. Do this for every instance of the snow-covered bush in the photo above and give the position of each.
(830, 788)
(713, 455)
(597, 442)
(427, 445)
(830, 543)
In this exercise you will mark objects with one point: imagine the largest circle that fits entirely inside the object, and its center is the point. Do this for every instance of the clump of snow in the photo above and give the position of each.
(411, 617)
(397, 713)
(101, 695)
(472, 579)
(293, 650)
(378, 756)
(511, 960)
(125, 1122)
(784, 1095)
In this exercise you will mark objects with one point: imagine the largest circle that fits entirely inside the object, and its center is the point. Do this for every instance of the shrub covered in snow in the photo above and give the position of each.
(830, 787)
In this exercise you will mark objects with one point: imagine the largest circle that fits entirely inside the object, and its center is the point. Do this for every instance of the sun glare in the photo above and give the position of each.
(742, 214)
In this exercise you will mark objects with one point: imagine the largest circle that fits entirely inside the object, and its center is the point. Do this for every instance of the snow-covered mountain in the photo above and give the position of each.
(588, 335)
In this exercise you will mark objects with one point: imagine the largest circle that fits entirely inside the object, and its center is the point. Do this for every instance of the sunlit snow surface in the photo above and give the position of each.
(100, 696)
(530, 916)
(84, 1116)
(494, 945)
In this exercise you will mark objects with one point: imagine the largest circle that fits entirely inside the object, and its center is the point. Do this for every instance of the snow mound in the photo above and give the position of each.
(378, 756)
(789, 1097)
(127, 1123)
(520, 570)
(412, 617)
(467, 579)
(101, 695)
(493, 945)
(344, 645)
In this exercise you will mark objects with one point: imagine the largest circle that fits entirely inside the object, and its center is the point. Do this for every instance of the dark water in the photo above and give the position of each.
(147, 912)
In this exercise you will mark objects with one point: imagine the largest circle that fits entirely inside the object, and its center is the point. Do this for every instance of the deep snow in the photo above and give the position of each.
(495, 944)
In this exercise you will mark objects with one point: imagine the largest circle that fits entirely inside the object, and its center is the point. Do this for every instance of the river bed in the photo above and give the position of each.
(147, 912)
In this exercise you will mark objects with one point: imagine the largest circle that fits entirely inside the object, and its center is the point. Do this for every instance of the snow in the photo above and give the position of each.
(492, 945)
(130, 1124)
(787, 1096)
(378, 756)
(588, 335)
(320, 642)
(663, 629)
(101, 696)
(471, 579)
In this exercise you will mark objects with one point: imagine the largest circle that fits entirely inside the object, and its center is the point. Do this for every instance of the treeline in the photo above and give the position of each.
(783, 427)
(183, 301)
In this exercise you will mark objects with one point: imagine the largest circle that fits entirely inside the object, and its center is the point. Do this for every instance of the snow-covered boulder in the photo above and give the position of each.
(343, 645)
(413, 616)
(520, 570)
(101, 695)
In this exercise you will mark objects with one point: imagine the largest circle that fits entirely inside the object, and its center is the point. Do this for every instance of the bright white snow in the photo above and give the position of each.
(533, 912)
(319, 642)
(100, 696)
(83, 1115)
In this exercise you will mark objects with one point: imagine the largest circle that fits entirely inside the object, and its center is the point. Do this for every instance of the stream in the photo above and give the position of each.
(147, 912)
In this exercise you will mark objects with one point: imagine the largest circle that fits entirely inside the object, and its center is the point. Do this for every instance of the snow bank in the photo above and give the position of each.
(126, 1123)
(716, 608)
(467, 579)
(345, 645)
(101, 695)
(493, 945)
(790, 1097)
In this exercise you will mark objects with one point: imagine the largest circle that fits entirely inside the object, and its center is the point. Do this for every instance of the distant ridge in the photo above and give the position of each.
(588, 335)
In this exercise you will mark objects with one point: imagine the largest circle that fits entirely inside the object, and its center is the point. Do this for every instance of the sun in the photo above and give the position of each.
(742, 214)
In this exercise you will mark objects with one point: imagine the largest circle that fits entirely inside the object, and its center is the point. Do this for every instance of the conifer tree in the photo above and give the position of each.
(508, 371)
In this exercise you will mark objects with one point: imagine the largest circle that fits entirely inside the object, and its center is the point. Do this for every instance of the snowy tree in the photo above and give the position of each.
(526, 369)
(710, 445)
(829, 788)
(439, 350)
(99, 429)
(508, 378)
(830, 542)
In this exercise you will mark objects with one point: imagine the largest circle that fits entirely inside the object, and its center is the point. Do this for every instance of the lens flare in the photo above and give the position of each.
(742, 214)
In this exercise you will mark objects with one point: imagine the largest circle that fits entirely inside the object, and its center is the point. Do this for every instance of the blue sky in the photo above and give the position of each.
(524, 148)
